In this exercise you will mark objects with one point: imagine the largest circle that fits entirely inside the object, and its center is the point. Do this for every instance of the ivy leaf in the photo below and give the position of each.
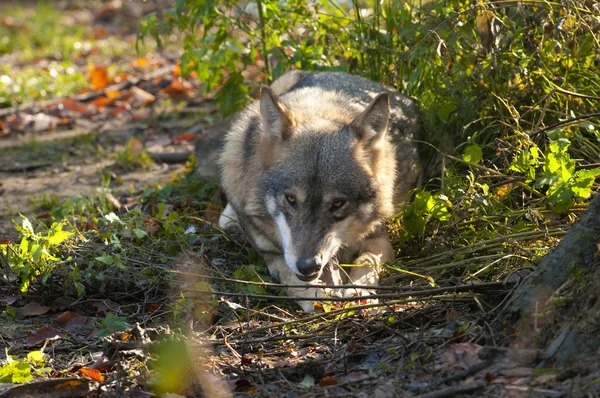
(233, 95)
(473, 154)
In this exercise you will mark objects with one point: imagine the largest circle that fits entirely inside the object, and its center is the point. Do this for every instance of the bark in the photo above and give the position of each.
(556, 308)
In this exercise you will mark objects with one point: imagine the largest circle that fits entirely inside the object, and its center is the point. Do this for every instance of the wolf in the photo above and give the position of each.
(312, 170)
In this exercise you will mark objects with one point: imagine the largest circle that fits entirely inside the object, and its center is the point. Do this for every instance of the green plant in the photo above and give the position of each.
(37, 254)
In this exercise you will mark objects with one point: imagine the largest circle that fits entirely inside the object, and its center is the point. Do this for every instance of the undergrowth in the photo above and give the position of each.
(508, 95)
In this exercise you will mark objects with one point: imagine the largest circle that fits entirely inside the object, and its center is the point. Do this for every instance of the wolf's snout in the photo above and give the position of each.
(308, 267)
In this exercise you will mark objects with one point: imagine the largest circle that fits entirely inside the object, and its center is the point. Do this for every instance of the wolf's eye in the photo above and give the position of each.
(338, 204)
(291, 200)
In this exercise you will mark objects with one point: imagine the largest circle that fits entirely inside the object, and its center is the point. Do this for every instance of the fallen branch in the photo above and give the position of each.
(454, 390)
(413, 294)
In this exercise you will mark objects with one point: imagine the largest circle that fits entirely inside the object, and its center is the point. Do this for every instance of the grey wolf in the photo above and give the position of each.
(311, 172)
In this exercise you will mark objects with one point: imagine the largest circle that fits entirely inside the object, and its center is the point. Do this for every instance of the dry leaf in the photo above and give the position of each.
(142, 114)
(31, 309)
(75, 106)
(141, 97)
(74, 322)
(99, 33)
(99, 78)
(92, 374)
(328, 381)
(39, 336)
(185, 137)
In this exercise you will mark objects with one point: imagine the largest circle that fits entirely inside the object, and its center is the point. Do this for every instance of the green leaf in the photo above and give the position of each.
(140, 233)
(307, 382)
(106, 259)
(233, 95)
(36, 358)
(15, 372)
(473, 154)
(59, 236)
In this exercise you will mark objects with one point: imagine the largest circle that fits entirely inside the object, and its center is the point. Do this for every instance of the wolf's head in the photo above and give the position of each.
(327, 172)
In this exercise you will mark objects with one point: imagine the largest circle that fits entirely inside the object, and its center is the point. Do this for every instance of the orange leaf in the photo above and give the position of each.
(186, 137)
(99, 78)
(75, 106)
(99, 33)
(176, 71)
(101, 102)
(1, 125)
(113, 94)
(92, 374)
(175, 89)
(328, 381)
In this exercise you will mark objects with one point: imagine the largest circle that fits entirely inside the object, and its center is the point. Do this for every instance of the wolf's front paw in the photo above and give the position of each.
(350, 292)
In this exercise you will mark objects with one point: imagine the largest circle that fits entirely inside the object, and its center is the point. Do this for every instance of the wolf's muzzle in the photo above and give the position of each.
(309, 268)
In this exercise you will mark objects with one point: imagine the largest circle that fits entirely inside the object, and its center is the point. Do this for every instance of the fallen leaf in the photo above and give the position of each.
(113, 94)
(99, 78)
(328, 381)
(101, 102)
(177, 89)
(99, 33)
(31, 309)
(103, 365)
(74, 322)
(212, 213)
(39, 336)
(307, 382)
(93, 374)
(75, 106)
(50, 388)
(462, 355)
(185, 137)
(142, 114)
(141, 97)
(4, 240)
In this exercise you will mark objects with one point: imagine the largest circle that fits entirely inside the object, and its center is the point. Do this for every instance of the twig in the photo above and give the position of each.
(413, 294)
(465, 373)
(454, 390)
(499, 174)
(267, 339)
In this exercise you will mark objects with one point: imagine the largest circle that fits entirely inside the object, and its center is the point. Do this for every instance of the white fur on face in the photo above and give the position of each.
(334, 241)
(286, 241)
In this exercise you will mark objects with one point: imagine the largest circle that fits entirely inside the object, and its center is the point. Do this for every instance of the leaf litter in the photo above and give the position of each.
(427, 345)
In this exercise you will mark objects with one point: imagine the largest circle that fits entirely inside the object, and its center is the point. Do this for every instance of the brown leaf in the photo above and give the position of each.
(177, 89)
(93, 374)
(141, 114)
(74, 322)
(185, 137)
(462, 355)
(101, 102)
(103, 365)
(328, 381)
(99, 78)
(212, 213)
(39, 336)
(99, 33)
(141, 97)
(31, 309)
(75, 106)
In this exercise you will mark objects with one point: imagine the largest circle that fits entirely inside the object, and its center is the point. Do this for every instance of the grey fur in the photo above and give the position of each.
(318, 178)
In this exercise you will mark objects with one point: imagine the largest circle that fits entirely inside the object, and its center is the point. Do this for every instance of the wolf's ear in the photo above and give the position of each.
(371, 125)
(277, 119)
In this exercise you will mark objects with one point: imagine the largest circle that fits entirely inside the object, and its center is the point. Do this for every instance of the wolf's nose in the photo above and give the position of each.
(307, 266)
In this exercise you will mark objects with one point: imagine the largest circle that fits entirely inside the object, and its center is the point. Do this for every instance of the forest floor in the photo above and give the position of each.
(159, 302)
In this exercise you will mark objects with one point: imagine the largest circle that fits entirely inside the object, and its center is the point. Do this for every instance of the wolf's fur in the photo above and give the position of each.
(313, 169)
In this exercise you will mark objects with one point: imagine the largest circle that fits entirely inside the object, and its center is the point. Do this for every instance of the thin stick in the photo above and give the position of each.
(414, 294)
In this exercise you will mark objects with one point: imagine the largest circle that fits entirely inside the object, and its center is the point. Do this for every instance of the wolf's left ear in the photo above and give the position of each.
(277, 119)
(370, 126)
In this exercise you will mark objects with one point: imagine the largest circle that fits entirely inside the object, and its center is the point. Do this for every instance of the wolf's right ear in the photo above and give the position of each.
(277, 119)
(371, 125)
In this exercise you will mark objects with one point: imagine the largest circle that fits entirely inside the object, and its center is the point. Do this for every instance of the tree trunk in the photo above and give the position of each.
(556, 307)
